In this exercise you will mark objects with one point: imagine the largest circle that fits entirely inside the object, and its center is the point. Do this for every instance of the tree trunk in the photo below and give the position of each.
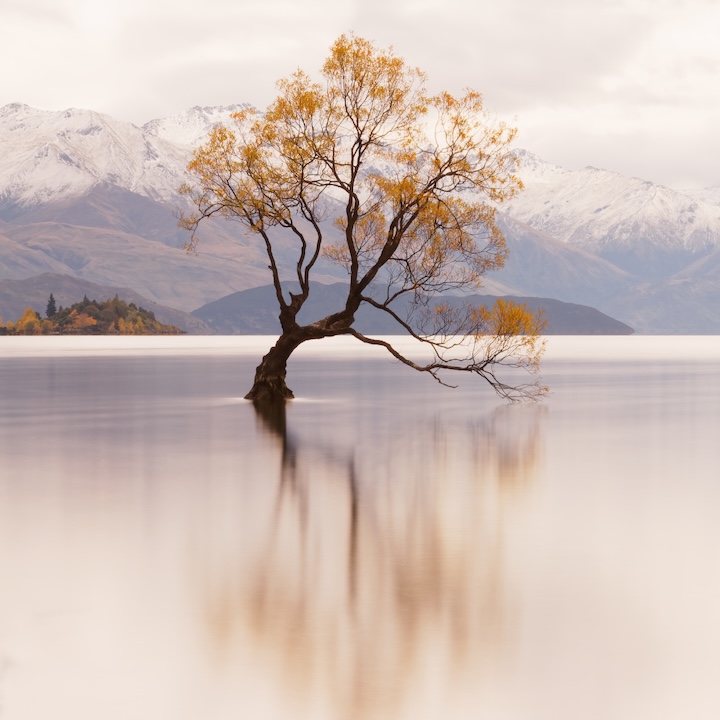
(269, 385)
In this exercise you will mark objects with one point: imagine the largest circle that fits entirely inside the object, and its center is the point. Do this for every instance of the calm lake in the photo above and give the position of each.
(391, 549)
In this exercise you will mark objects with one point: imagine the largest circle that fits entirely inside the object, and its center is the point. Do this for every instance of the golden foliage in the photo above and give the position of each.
(28, 323)
(80, 321)
(414, 172)
(512, 335)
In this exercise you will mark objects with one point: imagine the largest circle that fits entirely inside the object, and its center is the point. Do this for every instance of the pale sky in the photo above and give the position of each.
(627, 85)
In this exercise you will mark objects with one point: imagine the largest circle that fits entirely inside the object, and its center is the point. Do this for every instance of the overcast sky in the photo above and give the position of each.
(628, 85)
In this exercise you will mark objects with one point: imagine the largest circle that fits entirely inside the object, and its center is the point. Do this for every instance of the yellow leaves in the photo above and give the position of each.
(508, 318)
(244, 117)
(109, 317)
(450, 243)
(481, 340)
(27, 324)
(216, 155)
(398, 191)
(369, 236)
(298, 98)
(510, 334)
(79, 321)
(356, 64)
(472, 147)
(136, 327)
(373, 90)
(337, 253)
(131, 326)
(485, 340)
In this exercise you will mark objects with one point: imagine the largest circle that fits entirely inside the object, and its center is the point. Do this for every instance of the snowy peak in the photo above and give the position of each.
(14, 110)
(710, 195)
(534, 170)
(606, 213)
(191, 127)
(24, 120)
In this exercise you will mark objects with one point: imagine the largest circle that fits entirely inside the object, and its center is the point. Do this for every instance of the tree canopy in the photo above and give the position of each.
(366, 168)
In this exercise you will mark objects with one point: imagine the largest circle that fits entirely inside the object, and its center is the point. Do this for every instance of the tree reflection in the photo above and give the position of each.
(377, 589)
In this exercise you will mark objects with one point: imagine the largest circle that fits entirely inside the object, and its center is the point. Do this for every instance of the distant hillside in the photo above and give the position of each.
(254, 312)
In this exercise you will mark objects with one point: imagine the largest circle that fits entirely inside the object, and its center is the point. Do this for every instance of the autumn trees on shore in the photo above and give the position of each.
(89, 317)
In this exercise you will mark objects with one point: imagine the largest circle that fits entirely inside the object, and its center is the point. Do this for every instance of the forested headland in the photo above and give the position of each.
(89, 317)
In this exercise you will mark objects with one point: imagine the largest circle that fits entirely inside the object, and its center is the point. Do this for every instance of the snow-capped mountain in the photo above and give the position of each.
(51, 156)
(645, 228)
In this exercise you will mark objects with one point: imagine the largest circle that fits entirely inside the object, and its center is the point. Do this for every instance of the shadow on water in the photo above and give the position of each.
(378, 587)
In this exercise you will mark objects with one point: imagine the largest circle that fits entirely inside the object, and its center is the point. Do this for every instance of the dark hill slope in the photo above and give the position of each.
(254, 312)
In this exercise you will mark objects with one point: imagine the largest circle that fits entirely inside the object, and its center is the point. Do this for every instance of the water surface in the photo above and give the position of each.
(389, 549)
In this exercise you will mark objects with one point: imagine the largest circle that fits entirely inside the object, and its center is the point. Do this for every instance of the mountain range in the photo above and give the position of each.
(88, 197)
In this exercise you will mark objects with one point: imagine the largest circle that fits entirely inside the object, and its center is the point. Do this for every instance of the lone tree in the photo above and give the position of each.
(409, 179)
(51, 307)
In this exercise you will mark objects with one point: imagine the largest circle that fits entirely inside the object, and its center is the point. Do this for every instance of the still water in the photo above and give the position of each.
(391, 549)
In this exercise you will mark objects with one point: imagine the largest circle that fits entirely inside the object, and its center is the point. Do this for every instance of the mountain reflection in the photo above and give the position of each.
(375, 585)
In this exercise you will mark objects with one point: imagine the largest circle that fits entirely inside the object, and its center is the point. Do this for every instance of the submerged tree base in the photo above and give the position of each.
(270, 391)
(269, 384)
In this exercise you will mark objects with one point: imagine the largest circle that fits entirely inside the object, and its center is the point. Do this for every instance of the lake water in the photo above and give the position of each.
(391, 549)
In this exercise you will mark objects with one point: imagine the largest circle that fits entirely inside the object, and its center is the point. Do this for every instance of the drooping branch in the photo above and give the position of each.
(464, 337)
(481, 361)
